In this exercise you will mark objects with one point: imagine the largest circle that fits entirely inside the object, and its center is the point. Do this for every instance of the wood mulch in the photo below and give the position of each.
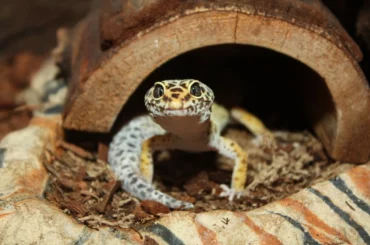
(85, 187)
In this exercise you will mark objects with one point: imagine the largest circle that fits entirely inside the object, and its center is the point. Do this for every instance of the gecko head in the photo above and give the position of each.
(179, 98)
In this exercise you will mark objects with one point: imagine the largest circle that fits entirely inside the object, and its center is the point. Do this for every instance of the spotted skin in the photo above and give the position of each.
(182, 116)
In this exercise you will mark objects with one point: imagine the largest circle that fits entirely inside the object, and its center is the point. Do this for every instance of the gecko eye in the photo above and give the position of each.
(196, 90)
(158, 91)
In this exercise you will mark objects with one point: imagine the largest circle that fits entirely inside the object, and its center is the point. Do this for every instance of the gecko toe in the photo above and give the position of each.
(230, 192)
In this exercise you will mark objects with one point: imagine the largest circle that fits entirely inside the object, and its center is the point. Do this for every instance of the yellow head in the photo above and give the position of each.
(179, 98)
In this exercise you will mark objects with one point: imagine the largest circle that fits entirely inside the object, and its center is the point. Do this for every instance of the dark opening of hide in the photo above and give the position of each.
(283, 92)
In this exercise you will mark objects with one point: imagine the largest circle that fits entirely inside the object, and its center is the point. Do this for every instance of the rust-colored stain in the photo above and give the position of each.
(34, 181)
(52, 123)
(206, 235)
(315, 221)
(265, 237)
(4, 215)
(360, 176)
(135, 237)
(319, 236)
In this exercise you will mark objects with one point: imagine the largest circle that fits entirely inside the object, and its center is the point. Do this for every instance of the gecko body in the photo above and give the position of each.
(182, 115)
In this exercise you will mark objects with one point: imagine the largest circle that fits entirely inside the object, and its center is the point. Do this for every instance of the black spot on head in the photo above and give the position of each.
(136, 128)
(183, 85)
(170, 85)
(131, 145)
(165, 98)
(176, 90)
(187, 97)
(176, 96)
(130, 175)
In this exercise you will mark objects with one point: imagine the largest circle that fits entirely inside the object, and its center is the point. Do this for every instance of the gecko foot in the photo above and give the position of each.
(230, 192)
(186, 205)
(265, 140)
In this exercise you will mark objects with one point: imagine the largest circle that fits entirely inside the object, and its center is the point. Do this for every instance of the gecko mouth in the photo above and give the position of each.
(177, 112)
(171, 111)
(182, 111)
(176, 109)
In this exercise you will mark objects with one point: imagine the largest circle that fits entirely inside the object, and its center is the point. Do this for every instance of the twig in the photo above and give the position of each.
(76, 150)
(88, 193)
(98, 220)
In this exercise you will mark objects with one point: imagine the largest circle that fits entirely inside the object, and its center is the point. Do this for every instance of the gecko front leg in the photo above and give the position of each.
(148, 147)
(232, 150)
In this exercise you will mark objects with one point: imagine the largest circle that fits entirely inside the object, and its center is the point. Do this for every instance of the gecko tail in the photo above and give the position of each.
(143, 190)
